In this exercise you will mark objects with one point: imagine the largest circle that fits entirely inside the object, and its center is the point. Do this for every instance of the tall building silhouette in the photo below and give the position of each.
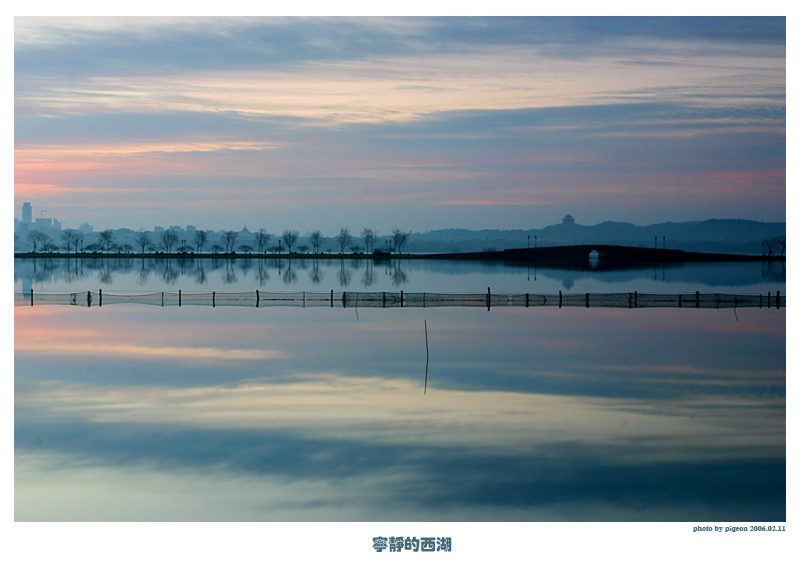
(27, 212)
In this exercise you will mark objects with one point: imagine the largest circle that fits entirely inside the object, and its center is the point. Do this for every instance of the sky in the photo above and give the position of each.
(416, 123)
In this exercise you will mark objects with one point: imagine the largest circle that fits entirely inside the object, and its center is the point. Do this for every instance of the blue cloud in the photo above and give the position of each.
(223, 44)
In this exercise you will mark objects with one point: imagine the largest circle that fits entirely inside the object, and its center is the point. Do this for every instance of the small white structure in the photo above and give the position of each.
(594, 258)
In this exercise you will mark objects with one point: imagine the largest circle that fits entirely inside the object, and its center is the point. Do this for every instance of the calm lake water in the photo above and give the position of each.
(133, 412)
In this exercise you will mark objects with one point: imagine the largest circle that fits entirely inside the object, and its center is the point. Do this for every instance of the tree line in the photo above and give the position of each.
(167, 241)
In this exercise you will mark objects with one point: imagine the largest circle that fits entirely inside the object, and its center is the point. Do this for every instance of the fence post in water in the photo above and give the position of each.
(213, 298)
(630, 300)
(587, 300)
(697, 299)
(344, 294)
(304, 298)
(423, 300)
(162, 298)
(488, 299)
(31, 296)
(331, 297)
(179, 298)
(526, 299)
(401, 297)
(258, 298)
(384, 299)
(88, 298)
(559, 298)
(100, 301)
(636, 299)
(679, 300)
(778, 299)
(769, 299)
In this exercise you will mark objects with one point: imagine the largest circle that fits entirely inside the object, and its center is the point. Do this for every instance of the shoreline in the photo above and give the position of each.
(560, 255)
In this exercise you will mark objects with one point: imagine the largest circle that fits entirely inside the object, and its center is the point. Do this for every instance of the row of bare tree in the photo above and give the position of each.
(168, 240)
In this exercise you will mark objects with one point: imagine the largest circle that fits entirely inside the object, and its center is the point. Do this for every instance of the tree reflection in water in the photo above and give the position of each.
(316, 275)
(143, 274)
(229, 274)
(289, 276)
(368, 279)
(169, 274)
(344, 275)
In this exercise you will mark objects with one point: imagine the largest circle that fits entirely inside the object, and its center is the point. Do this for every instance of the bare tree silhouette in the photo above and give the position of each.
(290, 238)
(229, 238)
(399, 239)
(200, 238)
(143, 240)
(369, 236)
(37, 239)
(316, 240)
(168, 239)
(262, 240)
(106, 239)
(343, 238)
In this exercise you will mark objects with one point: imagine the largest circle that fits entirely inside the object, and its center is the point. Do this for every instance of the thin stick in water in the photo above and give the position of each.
(427, 358)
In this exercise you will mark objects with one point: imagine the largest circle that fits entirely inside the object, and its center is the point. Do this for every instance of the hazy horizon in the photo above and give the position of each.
(415, 123)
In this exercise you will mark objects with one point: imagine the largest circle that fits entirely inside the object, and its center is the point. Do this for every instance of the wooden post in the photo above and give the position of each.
(679, 300)
(331, 297)
(179, 298)
(304, 299)
(778, 299)
(100, 301)
(258, 298)
(526, 299)
(401, 297)
(344, 295)
(423, 300)
(31, 296)
(162, 298)
(213, 299)
(384, 299)
(697, 299)
(559, 298)
(636, 299)
(587, 300)
(88, 298)
(769, 299)
(488, 299)
(630, 300)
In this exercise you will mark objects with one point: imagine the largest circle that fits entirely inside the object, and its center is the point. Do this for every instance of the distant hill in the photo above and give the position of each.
(715, 235)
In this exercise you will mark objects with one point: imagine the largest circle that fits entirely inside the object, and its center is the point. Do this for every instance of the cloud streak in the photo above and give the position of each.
(295, 117)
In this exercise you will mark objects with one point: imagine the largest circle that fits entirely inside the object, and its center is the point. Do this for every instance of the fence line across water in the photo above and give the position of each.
(385, 299)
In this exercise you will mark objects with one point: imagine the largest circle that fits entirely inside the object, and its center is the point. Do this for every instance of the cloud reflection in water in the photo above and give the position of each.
(514, 426)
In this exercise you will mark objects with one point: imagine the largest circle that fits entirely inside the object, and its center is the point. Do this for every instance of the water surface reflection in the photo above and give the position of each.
(139, 413)
(276, 274)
